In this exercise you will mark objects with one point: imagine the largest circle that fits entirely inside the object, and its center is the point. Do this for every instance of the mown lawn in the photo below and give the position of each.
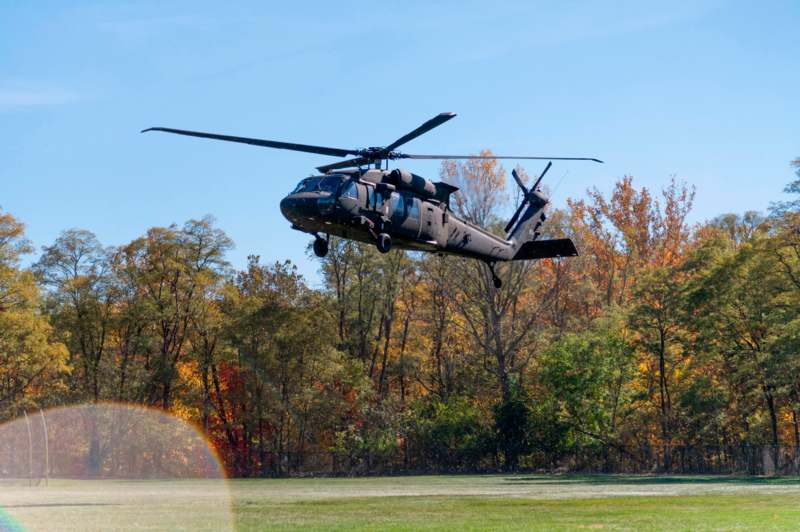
(698, 512)
(496, 502)
(520, 503)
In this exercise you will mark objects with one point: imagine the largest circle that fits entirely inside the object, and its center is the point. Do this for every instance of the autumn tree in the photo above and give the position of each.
(738, 304)
(170, 271)
(657, 320)
(282, 386)
(502, 324)
(659, 335)
(32, 361)
(628, 231)
(75, 269)
(444, 366)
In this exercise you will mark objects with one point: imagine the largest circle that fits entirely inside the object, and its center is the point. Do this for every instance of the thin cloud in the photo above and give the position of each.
(134, 30)
(15, 98)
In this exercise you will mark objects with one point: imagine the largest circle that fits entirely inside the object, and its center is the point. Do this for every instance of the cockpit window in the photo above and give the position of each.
(328, 183)
(349, 190)
(307, 185)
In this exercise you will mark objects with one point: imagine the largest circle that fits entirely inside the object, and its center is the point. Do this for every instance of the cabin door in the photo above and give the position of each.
(432, 224)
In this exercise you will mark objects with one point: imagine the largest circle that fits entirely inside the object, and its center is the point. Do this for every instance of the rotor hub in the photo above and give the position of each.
(375, 153)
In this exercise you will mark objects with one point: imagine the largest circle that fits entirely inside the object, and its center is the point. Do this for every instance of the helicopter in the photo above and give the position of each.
(360, 199)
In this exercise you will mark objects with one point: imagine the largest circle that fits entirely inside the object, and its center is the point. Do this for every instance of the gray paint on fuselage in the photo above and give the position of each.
(470, 241)
(433, 228)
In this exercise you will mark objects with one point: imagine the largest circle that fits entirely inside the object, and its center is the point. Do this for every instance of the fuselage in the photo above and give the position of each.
(358, 206)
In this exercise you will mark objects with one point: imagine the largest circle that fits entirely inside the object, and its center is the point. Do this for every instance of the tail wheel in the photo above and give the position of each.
(320, 247)
(384, 243)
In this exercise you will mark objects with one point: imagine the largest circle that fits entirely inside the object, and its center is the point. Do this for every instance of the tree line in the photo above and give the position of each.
(661, 333)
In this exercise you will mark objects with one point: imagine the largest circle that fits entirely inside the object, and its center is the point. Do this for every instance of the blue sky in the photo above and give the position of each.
(706, 91)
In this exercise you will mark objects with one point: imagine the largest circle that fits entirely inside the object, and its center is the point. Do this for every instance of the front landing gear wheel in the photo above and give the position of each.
(320, 247)
(384, 243)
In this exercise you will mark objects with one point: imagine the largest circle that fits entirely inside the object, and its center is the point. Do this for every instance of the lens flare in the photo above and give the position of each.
(104, 466)
(7, 523)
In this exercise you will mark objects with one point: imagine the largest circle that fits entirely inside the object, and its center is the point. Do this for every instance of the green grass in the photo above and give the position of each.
(496, 502)
(702, 512)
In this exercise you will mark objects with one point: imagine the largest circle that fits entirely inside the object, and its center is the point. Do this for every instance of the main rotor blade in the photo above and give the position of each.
(411, 156)
(437, 120)
(358, 161)
(323, 150)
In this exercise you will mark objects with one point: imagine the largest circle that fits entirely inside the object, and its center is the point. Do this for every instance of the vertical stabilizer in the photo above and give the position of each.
(523, 231)
(527, 227)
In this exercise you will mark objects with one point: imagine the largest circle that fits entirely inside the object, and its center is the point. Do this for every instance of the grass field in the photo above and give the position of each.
(497, 502)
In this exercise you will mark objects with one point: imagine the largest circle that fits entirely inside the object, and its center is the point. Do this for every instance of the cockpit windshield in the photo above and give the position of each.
(328, 183)
(307, 185)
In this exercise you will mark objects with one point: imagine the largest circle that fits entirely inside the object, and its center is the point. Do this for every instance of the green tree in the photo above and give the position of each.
(780, 208)
(588, 377)
(170, 271)
(741, 319)
(657, 319)
(282, 386)
(513, 424)
(450, 432)
(80, 300)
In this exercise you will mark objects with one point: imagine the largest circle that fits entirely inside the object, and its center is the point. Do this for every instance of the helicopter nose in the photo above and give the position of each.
(298, 210)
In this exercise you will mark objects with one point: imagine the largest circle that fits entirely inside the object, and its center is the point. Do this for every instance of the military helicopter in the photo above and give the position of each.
(361, 199)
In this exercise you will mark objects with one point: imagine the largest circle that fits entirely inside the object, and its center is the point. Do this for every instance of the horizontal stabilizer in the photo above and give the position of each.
(545, 249)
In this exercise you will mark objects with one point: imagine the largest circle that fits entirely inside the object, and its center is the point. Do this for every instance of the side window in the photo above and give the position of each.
(412, 206)
(350, 190)
(370, 197)
(397, 205)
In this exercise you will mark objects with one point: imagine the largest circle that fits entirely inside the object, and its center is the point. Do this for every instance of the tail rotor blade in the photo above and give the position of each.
(526, 192)
(546, 168)
(519, 181)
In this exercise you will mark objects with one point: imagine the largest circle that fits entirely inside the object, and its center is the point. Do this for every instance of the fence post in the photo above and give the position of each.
(30, 449)
(46, 449)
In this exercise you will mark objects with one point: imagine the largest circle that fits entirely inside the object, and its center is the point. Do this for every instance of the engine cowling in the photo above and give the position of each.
(404, 179)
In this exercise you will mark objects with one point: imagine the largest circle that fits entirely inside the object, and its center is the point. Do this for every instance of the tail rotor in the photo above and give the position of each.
(526, 195)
